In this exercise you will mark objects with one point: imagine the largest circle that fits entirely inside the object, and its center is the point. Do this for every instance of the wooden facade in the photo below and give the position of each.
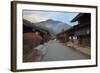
(79, 34)
(82, 31)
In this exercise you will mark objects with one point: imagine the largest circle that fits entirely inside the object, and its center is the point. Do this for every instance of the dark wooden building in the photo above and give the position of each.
(78, 36)
(82, 31)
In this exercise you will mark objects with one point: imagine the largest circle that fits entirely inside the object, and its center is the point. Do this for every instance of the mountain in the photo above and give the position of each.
(53, 26)
(29, 26)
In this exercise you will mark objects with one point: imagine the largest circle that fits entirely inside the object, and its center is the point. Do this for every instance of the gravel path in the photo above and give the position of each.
(57, 51)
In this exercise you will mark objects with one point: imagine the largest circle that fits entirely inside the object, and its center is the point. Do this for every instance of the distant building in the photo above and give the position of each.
(63, 36)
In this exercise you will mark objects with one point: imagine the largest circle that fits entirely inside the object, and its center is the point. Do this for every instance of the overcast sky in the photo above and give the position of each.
(38, 16)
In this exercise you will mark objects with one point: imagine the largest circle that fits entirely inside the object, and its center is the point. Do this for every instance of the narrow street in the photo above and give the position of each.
(57, 51)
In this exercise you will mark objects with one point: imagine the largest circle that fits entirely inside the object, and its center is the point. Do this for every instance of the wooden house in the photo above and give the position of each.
(82, 31)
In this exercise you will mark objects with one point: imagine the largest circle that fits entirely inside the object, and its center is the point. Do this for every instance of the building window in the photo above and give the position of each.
(70, 38)
(88, 31)
(74, 37)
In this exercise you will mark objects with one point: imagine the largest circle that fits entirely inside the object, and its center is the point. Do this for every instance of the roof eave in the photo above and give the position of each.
(77, 17)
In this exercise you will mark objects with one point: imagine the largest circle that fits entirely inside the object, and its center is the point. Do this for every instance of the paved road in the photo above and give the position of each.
(57, 51)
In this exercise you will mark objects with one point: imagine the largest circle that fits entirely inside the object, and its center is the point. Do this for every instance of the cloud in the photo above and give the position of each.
(34, 16)
(28, 12)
